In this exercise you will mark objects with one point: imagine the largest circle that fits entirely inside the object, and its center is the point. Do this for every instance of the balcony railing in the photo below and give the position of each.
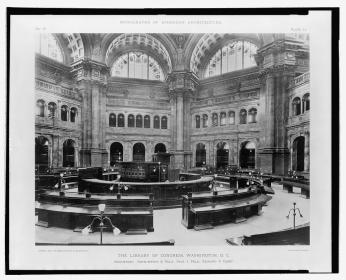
(300, 80)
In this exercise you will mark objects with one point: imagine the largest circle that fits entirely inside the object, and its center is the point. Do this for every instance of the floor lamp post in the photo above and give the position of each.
(294, 209)
(159, 172)
(101, 218)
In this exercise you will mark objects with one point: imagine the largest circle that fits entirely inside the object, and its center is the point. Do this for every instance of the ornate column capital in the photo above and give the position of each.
(90, 70)
(182, 81)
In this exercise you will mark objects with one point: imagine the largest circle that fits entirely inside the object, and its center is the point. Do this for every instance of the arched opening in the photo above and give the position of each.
(121, 120)
(215, 119)
(68, 153)
(116, 153)
(147, 121)
(205, 120)
(198, 121)
(112, 120)
(164, 122)
(231, 116)
(130, 121)
(139, 121)
(51, 109)
(306, 102)
(40, 108)
(242, 116)
(222, 118)
(200, 155)
(64, 111)
(137, 65)
(222, 152)
(296, 106)
(252, 115)
(160, 148)
(73, 114)
(247, 155)
(156, 122)
(298, 154)
(138, 152)
(41, 153)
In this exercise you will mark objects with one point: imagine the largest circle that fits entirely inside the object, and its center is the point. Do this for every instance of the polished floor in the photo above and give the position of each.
(167, 225)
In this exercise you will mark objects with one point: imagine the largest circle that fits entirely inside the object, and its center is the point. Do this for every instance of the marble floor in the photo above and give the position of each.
(167, 225)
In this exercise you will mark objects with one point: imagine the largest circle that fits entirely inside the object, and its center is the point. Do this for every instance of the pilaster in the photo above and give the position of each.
(182, 86)
(91, 77)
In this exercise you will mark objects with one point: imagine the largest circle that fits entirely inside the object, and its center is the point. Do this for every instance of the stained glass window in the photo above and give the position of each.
(137, 65)
(235, 56)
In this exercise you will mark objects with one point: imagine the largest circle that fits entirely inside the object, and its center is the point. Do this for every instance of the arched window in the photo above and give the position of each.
(48, 46)
(156, 122)
(205, 120)
(112, 120)
(73, 114)
(222, 118)
(252, 115)
(215, 119)
(137, 65)
(242, 116)
(139, 121)
(138, 152)
(146, 121)
(198, 121)
(40, 104)
(306, 102)
(51, 109)
(121, 120)
(64, 112)
(235, 56)
(116, 153)
(130, 121)
(164, 122)
(231, 116)
(160, 148)
(296, 105)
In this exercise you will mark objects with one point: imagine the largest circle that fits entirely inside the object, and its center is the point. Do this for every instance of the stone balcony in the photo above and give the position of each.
(55, 123)
(296, 120)
(138, 131)
(304, 78)
(226, 129)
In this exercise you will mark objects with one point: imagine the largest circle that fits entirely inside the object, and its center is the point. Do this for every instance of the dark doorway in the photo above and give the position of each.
(41, 153)
(247, 155)
(68, 153)
(116, 153)
(200, 155)
(222, 151)
(298, 154)
(138, 152)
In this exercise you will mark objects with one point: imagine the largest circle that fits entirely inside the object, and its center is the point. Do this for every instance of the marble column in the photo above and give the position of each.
(180, 122)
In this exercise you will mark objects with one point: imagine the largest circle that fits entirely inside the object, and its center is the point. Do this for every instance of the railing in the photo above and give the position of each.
(300, 80)
(299, 119)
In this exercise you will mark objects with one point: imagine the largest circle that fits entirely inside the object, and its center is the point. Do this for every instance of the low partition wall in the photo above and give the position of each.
(75, 211)
(165, 194)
